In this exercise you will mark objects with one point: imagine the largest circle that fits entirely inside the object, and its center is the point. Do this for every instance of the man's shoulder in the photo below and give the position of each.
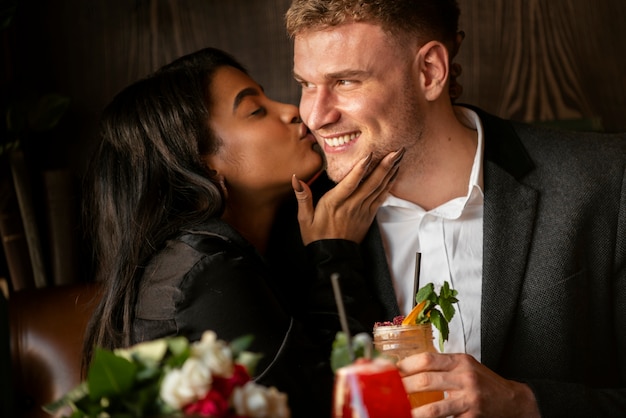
(572, 147)
(523, 145)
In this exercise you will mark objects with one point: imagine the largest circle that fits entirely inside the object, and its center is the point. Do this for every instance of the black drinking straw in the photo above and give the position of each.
(334, 278)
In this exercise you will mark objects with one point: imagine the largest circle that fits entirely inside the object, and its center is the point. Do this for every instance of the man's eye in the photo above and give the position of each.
(344, 82)
(258, 112)
(305, 84)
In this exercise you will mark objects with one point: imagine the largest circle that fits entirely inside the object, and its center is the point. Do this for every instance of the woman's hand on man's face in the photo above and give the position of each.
(347, 210)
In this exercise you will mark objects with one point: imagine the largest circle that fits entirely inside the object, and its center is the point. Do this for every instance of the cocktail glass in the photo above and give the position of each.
(369, 389)
(397, 342)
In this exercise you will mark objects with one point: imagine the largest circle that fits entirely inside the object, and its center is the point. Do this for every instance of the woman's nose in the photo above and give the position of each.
(290, 114)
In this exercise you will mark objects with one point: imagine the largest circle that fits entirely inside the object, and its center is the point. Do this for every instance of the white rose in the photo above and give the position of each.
(216, 354)
(256, 401)
(183, 386)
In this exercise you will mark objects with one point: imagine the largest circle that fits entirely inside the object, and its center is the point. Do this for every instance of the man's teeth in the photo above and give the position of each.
(340, 140)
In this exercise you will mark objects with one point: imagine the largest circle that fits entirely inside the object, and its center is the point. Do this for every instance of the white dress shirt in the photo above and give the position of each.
(450, 240)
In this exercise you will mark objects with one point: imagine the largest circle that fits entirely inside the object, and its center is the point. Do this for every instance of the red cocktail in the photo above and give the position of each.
(370, 388)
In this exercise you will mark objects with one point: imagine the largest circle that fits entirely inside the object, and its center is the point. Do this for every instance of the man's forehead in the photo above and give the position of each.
(349, 47)
(345, 35)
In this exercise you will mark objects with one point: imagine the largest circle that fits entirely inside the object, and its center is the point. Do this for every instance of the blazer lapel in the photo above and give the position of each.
(375, 262)
(509, 215)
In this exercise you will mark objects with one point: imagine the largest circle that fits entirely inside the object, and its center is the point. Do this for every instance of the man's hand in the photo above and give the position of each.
(472, 389)
(347, 210)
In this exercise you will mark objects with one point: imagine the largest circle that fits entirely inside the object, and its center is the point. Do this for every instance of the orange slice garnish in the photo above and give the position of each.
(412, 316)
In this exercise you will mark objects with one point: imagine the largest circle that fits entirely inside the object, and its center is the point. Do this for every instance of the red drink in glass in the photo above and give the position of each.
(370, 388)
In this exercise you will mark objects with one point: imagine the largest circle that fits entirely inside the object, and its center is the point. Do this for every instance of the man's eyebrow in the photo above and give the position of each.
(248, 91)
(344, 74)
(338, 75)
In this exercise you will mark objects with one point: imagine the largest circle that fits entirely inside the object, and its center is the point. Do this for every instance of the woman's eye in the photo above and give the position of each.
(259, 111)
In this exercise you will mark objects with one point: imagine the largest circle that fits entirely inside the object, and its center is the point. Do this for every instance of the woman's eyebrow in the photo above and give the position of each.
(248, 91)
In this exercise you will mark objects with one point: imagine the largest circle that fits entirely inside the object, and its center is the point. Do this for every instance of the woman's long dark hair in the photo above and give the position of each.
(147, 181)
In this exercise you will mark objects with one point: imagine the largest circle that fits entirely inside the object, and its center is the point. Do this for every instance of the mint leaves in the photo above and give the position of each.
(437, 317)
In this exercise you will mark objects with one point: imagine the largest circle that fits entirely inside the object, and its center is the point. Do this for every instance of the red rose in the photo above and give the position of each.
(225, 386)
(214, 404)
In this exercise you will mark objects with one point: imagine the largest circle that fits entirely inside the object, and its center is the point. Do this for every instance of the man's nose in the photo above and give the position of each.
(319, 110)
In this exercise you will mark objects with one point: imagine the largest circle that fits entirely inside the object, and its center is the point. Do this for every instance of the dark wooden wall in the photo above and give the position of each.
(540, 60)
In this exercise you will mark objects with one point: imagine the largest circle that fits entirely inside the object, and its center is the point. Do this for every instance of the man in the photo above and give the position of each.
(528, 225)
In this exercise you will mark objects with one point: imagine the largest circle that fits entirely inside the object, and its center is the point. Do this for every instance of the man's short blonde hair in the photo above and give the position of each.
(424, 20)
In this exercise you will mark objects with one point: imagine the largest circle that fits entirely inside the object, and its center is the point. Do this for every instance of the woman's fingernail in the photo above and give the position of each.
(365, 162)
(399, 155)
(394, 175)
(295, 183)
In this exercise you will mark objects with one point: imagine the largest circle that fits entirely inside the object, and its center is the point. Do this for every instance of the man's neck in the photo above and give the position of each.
(442, 170)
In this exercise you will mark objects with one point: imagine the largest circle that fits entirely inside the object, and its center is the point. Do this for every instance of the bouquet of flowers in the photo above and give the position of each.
(172, 377)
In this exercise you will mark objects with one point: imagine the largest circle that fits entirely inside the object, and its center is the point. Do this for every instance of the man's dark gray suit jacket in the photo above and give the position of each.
(554, 266)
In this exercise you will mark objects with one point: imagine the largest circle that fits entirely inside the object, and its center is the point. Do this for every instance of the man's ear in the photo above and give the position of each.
(433, 64)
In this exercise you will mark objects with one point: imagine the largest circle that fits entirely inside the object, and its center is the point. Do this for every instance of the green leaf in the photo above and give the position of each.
(340, 355)
(249, 360)
(148, 373)
(447, 293)
(47, 112)
(427, 292)
(441, 324)
(110, 375)
(178, 345)
(37, 114)
(9, 146)
(430, 315)
(447, 309)
(142, 401)
(69, 399)
(361, 345)
(179, 350)
(7, 13)
(446, 299)
(422, 317)
(241, 344)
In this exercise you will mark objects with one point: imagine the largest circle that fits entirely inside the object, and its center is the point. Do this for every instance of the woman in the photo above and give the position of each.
(194, 163)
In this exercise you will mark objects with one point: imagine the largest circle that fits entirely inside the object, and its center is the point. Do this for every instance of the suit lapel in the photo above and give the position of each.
(375, 262)
(509, 215)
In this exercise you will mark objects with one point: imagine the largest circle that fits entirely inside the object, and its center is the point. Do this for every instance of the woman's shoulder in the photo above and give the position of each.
(182, 253)
(160, 286)
(168, 278)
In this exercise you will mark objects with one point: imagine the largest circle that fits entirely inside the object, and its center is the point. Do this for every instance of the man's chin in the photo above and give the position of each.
(336, 173)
